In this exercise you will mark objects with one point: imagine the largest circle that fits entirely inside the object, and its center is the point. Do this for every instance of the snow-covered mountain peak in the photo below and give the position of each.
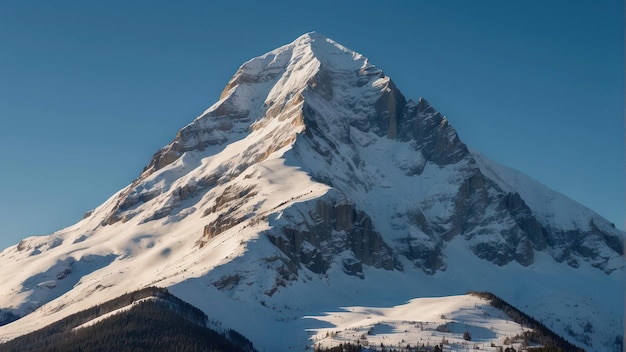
(297, 63)
(312, 83)
(325, 50)
(313, 176)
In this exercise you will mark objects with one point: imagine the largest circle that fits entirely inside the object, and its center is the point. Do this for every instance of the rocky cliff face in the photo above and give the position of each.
(314, 234)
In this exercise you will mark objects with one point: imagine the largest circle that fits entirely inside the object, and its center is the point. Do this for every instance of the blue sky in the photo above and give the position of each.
(90, 90)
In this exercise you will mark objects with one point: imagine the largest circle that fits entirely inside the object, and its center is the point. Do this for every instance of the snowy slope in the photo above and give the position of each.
(313, 184)
(554, 210)
(421, 321)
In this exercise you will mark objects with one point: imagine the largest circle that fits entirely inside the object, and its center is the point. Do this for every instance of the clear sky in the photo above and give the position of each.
(89, 90)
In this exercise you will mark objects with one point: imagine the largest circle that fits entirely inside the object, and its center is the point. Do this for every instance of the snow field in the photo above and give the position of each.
(421, 321)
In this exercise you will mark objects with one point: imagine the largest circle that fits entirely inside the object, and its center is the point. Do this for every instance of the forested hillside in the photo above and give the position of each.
(154, 321)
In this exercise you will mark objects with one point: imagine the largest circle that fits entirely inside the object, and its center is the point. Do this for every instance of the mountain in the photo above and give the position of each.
(314, 184)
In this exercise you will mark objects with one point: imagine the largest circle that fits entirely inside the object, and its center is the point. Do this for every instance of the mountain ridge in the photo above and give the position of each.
(313, 167)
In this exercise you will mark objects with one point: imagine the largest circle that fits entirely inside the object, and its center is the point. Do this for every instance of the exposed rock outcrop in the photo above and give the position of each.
(432, 134)
(332, 229)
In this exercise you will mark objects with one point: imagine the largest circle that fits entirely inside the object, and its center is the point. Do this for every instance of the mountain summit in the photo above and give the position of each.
(313, 184)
